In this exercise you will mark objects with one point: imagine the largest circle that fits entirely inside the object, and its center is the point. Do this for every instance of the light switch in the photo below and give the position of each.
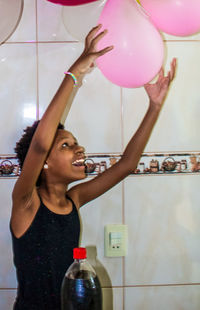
(115, 240)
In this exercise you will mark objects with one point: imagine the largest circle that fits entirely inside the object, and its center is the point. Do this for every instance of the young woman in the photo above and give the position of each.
(44, 222)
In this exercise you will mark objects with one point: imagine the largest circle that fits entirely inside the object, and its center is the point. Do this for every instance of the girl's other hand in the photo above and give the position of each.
(90, 54)
(158, 91)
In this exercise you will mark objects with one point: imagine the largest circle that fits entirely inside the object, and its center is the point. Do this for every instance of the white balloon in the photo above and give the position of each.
(79, 19)
(10, 15)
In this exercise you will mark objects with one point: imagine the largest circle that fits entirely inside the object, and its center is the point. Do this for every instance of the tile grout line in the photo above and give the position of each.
(164, 285)
(37, 63)
(122, 200)
(122, 119)
(76, 41)
(37, 41)
(128, 286)
(122, 148)
(176, 41)
(123, 258)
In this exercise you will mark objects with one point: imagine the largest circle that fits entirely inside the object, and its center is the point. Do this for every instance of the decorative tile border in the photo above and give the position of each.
(9, 166)
(149, 164)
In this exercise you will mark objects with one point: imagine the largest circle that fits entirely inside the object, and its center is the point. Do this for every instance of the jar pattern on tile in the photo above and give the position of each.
(149, 164)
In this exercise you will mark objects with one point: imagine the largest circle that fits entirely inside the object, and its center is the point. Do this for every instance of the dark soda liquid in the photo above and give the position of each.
(82, 293)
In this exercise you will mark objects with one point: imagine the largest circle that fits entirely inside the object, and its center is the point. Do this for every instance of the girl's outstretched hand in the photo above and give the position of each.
(90, 54)
(158, 91)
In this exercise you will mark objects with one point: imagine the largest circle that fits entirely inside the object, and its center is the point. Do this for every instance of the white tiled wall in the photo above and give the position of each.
(7, 272)
(162, 268)
(90, 115)
(177, 126)
(165, 298)
(18, 92)
(26, 29)
(163, 220)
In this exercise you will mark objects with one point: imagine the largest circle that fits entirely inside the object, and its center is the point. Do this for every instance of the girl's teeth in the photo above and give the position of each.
(78, 162)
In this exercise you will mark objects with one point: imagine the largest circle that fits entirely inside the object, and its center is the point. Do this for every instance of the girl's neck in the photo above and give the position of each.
(54, 193)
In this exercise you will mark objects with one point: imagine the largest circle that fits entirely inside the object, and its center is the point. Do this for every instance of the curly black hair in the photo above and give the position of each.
(23, 144)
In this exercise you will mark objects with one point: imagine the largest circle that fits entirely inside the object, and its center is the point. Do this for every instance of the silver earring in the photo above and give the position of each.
(46, 166)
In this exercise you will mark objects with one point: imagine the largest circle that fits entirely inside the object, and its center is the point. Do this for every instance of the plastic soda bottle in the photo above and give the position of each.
(81, 288)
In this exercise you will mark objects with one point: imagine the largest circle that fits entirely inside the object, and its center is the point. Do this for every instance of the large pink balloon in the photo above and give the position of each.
(138, 47)
(71, 2)
(176, 17)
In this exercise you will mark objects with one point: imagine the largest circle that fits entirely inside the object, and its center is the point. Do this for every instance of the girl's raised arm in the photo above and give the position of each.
(90, 190)
(44, 135)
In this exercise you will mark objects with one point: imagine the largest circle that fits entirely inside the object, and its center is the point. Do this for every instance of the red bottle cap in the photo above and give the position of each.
(79, 253)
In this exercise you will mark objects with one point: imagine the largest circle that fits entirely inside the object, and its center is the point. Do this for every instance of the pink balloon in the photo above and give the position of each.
(71, 2)
(138, 47)
(176, 17)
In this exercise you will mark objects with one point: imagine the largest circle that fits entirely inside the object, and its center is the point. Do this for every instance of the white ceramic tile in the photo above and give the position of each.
(7, 271)
(194, 37)
(165, 298)
(112, 298)
(178, 123)
(94, 117)
(10, 15)
(17, 92)
(80, 19)
(54, 60)
(50, 22)
(106, 209)
(7, 298)
(162, 214)
(26, 29)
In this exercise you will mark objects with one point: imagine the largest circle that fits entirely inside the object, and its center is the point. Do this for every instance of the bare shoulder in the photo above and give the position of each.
(79, 193)
(76, 193)
(23, 213)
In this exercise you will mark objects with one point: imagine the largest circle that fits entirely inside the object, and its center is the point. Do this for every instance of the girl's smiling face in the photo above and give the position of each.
(66, 158)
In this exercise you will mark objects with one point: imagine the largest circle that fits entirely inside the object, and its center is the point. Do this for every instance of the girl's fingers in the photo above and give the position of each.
(91, 34)
(92, 40)
(169, 76)
(171, 73)
(91, 57)
(98, 38)
(104, 51)
(173, 67)
(160, 74)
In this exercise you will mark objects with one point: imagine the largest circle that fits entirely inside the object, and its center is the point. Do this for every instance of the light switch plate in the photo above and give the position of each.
(115, 240)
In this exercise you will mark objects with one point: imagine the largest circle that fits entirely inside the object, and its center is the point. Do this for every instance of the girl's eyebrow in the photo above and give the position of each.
(67, 138)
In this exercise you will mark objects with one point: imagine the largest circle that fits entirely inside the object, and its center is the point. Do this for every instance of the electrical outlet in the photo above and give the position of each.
(115, 240)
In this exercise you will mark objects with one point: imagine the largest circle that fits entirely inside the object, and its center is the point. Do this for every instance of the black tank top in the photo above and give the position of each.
(41, 257)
